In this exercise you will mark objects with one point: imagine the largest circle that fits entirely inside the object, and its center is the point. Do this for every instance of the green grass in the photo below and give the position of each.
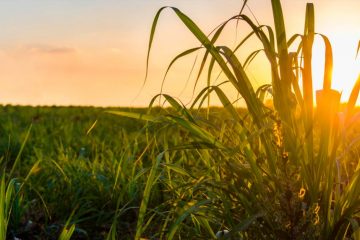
(103, 176)
(73, 170)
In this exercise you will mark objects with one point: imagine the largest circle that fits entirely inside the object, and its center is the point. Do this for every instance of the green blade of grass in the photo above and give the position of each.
(146, 195)
(67, 231)
(16, 162)
(284, 63)
(307, 70)
(244, 85)
(242, 7)
(279, 26)
(251, 57)
(3, 212)
(175, 226)
(308, 101)
(139, 116)
(181, 55)
(206, 43)
(91, 127)
(352, 100)
(227, 104)
(197, 131)
(152, 34)
(328, 63)
(177, 169)
(7, 196)
(244, 224)
(179, 108)
(213, 40)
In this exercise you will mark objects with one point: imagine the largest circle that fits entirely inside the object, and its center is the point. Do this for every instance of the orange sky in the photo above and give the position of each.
(93, 52)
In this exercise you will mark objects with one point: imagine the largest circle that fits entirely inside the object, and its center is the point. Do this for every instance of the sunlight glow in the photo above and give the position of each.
(346, 67)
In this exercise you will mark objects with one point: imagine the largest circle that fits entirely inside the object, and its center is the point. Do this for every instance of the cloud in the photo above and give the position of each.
(47, 49)
(116, 50)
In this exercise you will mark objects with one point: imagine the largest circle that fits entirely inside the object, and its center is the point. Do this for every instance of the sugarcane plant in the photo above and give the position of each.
(273, 172)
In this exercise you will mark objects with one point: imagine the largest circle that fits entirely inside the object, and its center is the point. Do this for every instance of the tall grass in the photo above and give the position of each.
(11, 199)
(271, 173)
(6, 196)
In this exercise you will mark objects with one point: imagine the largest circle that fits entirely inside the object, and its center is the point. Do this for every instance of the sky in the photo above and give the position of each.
(93, 52)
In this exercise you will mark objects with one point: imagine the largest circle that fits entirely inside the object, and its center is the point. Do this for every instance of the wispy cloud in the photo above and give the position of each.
(46, 49)
(115, 50)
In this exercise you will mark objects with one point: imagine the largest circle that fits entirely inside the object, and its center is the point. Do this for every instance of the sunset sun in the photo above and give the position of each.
(346, 66)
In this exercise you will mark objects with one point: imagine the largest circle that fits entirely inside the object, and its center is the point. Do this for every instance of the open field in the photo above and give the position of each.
(96, 179)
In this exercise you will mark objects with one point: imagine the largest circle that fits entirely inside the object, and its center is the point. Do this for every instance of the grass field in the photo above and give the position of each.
(285, 167)
(72, 171)
(92, 175)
